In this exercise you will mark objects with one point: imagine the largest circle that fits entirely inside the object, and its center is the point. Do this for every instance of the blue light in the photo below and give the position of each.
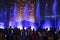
(29, 20)
(20, 26)
(12, 23)
(32, 26)
(0, 14)
(47, 24)
(14, 12)
(46, 7)
(38, 13)
(54, 7)
(25, 21)
(54, 10)
(58, 24)
(2, 25)
(26, 12)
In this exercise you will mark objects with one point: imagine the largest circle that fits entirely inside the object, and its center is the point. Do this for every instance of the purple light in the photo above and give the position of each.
(12, 23)
(54, 10)
(54, 7)
(46, 7)
(25, 28)
(14, 12)
(46, 4)
(38, 12)
(2, 25)
(58, 24)
(24, 23)
(47, 24)
(32, 26)
(26, 12)
(20, 26)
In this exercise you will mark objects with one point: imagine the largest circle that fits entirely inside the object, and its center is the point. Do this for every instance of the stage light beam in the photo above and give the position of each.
(38, 12)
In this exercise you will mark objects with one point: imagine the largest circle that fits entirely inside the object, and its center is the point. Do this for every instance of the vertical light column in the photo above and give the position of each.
(25, 21)
(38, 12)
(14, 12)
(13, 18)
(26, 12)
(47, 23)
(20, 15)
(54, 10)
(31, 15)
(54, 7)
(46, 10)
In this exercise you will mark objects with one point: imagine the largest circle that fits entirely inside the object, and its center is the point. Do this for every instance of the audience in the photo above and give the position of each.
(28, 34)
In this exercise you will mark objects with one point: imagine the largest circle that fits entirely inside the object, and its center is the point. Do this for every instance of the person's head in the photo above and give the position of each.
(33, 30)
(46, 29)
(10, 26)
(30, 27)
(23, 27)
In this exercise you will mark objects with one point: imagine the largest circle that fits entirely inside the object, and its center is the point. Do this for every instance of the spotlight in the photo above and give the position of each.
(47, 28)
(2, 25)
(25, 28)
(33, 27)
(20, 27)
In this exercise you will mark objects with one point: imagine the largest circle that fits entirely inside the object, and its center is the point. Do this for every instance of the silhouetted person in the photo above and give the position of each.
(9, 32)
(34, 35)
(16, 34)
(29, 34)
(39, 33)
(23, 34)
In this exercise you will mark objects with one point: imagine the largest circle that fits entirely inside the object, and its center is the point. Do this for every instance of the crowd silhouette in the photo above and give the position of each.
(28, 34)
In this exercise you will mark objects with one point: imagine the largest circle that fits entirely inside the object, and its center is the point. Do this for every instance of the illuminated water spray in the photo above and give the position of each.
(24, 23)
(46, 7)
(54, 10)
(47, 23)
(26, 12)
(14, 12)
(12, 23)
(38, 12)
